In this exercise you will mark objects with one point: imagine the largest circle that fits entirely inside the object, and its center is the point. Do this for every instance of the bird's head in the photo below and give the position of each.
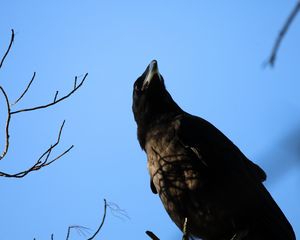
(148, 91)
(151, 100)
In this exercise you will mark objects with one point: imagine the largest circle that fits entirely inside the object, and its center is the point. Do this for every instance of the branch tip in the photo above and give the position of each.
(273, 56)
(9, 47)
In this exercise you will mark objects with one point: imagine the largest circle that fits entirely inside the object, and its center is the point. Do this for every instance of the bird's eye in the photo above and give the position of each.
(137, 88)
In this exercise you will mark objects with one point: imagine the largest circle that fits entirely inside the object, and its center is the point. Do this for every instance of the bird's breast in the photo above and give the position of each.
(181, 184)
(172, 170)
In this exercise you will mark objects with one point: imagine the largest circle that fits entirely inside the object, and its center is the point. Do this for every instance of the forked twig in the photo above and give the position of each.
(102, 222)
(79, 229)
(117, 211)
(55, 100)
(43, 160)
(40, 163)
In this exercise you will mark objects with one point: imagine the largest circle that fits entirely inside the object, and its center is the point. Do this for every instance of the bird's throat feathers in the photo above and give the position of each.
(144, 126)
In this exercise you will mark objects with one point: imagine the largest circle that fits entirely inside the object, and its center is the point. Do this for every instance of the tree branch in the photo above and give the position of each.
(152, 235)
(10, 113)
(55, 100)
(6, 125)
(81, 229)
(25, 91)
(9, 47)
(282, 33)
(41, 163)
(102, 222)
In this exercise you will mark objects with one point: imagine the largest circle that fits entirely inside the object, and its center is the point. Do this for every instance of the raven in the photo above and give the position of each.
(202, 178)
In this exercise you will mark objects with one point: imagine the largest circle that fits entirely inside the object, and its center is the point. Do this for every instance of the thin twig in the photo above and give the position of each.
(55, 100)
(39, 163)
(55, 97)
(152, 235)
(282, 33)
(43, 160)
(75, 82)
(117, 211)
(79, 229)
(25, 91)
(6, 125)
(102, 222)
(9, 46)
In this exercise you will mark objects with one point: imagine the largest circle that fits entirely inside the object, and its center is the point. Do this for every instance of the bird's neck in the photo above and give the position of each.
(148, 124)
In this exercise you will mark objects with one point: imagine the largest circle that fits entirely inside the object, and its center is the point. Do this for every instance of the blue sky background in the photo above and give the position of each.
(210, 54)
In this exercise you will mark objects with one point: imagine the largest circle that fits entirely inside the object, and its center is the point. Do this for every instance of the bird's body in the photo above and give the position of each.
(182, 182)
(199, 174)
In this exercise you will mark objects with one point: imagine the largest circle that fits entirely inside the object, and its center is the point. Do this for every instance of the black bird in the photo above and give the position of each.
(201, 177)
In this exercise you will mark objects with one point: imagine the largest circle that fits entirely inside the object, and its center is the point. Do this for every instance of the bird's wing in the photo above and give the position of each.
(221, 156)
(255, 169)
(206, 140)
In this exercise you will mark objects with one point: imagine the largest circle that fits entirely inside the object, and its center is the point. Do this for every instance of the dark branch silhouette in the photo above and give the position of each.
(26, 89)
(152, 235)
(40, 163)
(117, 212)
(102, 222)
(282, 33)
(82, 229)
(45, 159)
(9, 47)
(6, 125)
(55, 101)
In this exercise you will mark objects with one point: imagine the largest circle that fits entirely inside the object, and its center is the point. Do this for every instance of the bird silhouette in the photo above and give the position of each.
(206, 184)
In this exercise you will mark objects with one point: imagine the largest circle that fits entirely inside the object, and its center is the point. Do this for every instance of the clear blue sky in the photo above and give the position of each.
(210, 54)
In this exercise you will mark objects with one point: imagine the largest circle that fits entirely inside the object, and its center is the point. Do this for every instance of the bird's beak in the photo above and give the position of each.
(150, 73)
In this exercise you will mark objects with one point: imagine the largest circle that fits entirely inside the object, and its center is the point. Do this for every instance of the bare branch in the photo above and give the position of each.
(41, 163)
(102, 222)
(281, 35)
(55, 100)
(55, 97)
(28, 86)
(75, 82)
(45, 159)
(9, 46)
(80, 229)
(152, 235)
(6, 125)
(117, 211)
